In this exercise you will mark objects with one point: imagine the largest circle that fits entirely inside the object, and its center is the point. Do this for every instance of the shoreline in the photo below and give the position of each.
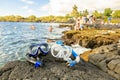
(58, 70)
(105, 48)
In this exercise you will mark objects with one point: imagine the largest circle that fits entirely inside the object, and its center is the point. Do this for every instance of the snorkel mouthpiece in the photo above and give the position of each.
(71, 63)
(38, 64)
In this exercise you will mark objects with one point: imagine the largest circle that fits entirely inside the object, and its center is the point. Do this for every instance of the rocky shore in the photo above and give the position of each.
(53, 70)
(105, 45)
(91, 38)
(100, 63)
(107, 58)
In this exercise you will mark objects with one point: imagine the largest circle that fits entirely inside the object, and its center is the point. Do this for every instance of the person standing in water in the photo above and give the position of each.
(50, 28)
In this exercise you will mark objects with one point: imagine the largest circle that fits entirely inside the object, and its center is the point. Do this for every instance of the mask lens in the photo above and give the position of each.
(34, 49)
(61, 51)
(56, 50)
(44, 47)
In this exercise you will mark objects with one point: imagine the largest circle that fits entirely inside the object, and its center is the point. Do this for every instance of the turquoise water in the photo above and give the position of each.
(15, 38)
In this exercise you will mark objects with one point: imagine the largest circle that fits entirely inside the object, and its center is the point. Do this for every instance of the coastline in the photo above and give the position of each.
(105, 48)
(60, 40)
(55, 70)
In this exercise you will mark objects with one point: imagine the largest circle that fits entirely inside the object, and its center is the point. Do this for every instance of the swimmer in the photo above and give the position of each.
(15, 28)
(33, 27)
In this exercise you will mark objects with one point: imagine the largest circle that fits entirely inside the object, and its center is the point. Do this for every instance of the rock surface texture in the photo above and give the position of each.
(92, 38)
(53, 70)
(106, 58)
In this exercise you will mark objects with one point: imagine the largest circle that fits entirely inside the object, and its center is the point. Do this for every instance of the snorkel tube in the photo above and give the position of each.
(71, 62)
(35, 55)
(59, 50)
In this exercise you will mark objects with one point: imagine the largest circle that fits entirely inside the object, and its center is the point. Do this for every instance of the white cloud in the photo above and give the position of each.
(44, 8)
(1, 9)
(61, 7)
(28, 1)
(25, 7)
(30, 11)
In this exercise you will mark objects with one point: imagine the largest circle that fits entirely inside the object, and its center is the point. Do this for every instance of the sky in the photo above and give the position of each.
(40, 8)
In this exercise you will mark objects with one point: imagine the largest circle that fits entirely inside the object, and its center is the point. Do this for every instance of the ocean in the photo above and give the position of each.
(16, 37)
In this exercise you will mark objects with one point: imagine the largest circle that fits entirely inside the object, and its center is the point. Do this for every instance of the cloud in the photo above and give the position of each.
(1, 9)
(61, 7)
(30, 11)
(25, 7)
(44, 8)
(28, 1)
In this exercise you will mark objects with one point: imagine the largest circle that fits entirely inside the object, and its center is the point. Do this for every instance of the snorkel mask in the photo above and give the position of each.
(36, 51)
(59, 50)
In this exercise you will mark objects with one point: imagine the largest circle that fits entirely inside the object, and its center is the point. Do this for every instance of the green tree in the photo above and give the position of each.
(2, 18)
(80, 13)
(19, 18)
(67, 16)
(107, 12)
(10, 18)
(32, 18)
(116, 14)
(75, 12)
(85, 12)
(97, 14)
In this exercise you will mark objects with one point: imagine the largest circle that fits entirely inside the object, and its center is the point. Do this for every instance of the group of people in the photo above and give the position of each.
(80, 21)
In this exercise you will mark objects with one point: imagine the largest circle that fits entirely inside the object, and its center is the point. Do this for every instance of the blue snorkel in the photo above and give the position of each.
(34, 56)
(72, 63)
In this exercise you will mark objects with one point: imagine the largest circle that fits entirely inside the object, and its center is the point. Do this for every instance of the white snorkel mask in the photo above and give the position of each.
(59, 50)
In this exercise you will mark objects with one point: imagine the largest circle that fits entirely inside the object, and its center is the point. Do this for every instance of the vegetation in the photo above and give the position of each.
(116, 14)
(107, 12)
(85, 13)
(74, 13)
(97, 14)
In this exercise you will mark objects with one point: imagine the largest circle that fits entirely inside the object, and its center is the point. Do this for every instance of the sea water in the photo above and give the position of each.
(16, 37)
